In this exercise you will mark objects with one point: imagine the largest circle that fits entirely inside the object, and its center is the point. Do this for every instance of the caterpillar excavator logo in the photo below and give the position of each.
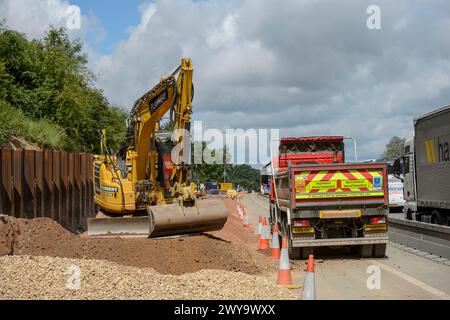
(438, 150)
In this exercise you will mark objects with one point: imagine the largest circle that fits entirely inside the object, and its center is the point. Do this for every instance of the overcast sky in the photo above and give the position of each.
(307, 67)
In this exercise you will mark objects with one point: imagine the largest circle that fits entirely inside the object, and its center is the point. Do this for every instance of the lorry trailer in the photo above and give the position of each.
(425, 169)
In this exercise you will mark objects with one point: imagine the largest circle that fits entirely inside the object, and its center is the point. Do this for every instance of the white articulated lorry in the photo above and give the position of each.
(426, 169)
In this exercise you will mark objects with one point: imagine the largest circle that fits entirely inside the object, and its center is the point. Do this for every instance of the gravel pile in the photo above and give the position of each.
(28, 277)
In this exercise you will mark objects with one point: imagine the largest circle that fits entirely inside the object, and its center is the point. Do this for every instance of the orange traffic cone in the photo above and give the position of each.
(264, 239)
(275, 252)
(245, 221)
(309, 286)
(260, 228)
(284, 269)
(241, 212)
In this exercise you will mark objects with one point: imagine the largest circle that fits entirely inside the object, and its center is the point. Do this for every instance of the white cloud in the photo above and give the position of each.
(308, 67)
(35, 17)
(147, 11)
(223, 36)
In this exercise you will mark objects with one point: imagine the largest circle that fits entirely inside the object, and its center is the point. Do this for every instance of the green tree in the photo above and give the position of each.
(48, 83)
(243, 175)
(394, 148)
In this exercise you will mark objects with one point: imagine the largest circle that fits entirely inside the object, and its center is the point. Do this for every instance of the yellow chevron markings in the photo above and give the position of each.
(360, 176)
(317, 178)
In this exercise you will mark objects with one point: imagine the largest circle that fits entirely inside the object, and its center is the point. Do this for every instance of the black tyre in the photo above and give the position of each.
(441, 219)
(379, 250)
(409, 215)
(354, 250)
(305, 252)
(272, 218)
(365, 251)
(285, 230)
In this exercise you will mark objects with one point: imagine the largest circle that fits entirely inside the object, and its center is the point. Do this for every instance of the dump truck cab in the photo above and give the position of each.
(319, 200)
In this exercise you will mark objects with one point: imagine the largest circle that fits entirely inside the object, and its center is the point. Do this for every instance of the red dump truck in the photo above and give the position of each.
(320, 200)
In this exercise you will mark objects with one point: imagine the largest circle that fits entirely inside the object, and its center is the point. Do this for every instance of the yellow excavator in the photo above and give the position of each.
(145, 189)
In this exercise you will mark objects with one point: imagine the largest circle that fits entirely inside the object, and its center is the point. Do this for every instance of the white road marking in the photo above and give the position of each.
(412, 280)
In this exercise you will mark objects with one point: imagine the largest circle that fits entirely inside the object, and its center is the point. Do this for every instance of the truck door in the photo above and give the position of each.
(409, 176)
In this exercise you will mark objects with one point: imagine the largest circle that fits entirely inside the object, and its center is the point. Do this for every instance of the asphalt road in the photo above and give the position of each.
(342, 275)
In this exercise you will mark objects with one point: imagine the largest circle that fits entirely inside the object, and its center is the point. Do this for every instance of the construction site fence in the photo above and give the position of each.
(47, 183)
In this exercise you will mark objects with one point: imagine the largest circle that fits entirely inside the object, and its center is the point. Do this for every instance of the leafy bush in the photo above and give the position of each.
(47, 96)
(41, 132)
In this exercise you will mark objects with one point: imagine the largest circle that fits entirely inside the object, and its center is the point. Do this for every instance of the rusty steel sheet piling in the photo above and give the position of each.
(47, 183)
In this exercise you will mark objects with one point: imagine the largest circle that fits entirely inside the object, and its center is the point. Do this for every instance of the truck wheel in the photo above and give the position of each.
(409, 215)
(272, 216)
(365, 251)
(305, 252)
(379, 250)
(441, 219)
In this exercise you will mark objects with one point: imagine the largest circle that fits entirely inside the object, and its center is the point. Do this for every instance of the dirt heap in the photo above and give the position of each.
(233, 230)
(14, 142)
(25, 277)
(44, 237)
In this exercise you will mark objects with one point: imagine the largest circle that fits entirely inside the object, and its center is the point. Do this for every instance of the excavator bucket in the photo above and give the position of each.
(205, 215)
(119, 227)
(165, 220)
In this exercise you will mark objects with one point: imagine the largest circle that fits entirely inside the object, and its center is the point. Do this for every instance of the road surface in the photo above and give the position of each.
(342, 275)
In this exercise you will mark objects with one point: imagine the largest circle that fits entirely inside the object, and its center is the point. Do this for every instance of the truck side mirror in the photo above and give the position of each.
(398, 169)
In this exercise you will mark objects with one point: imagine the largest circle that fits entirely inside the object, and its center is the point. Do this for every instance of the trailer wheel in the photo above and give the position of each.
(306, 252)
(441, 219)
(365, 251)
(379, 250)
